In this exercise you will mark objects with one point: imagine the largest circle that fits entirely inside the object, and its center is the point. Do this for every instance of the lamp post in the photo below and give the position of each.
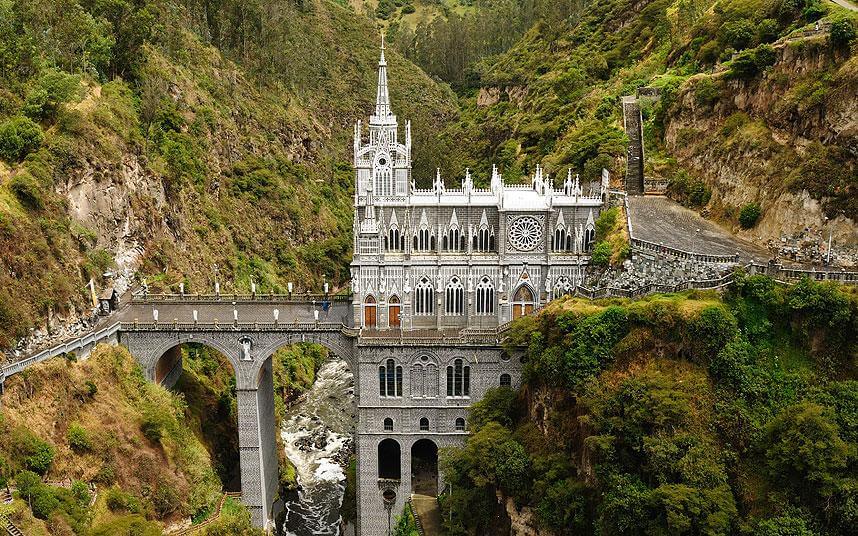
(389, 497)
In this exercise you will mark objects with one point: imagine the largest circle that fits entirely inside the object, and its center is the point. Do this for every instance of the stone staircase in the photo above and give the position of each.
(632, 122)
(10, 528)
(427, 514)
(211, 519)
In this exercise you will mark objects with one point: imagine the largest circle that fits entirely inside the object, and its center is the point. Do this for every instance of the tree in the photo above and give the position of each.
(19, 137)
(738, 34)
(842, 33)
(803, 446)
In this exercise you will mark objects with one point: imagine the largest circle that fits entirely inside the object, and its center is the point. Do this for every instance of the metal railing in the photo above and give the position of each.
(141, 297)
(73, 345)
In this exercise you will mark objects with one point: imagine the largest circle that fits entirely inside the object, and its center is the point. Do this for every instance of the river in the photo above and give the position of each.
(318, 433)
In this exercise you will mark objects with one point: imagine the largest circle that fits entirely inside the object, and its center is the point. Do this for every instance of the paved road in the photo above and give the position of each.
(663, 221)
(847, 4)
(222, 312)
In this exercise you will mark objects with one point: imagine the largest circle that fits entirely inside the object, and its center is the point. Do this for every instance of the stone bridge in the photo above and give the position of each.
(248, 330)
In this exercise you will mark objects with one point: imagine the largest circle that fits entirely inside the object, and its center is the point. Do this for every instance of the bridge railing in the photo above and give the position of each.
(85, 342)
(237, 326)
(294, 298)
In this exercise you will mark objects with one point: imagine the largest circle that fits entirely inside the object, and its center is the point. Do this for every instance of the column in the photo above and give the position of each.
(257, 447)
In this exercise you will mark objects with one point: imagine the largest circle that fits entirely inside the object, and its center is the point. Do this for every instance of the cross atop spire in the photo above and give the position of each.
(383, 114)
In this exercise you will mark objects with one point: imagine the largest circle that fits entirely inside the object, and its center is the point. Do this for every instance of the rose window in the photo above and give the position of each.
(525, 233)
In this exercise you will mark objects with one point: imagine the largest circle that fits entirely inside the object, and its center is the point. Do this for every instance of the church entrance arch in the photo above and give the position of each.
(393, 310)
(424, 467)
(370, 310)
(522, 302)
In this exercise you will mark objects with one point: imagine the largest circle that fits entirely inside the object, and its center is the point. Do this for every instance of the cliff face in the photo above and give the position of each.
(786, 139)
(199, 154)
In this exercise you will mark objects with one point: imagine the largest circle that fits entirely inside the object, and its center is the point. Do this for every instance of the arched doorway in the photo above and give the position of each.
(369, 312)
(522, 302)
(389, 460)
(424, 467)
(393, 310)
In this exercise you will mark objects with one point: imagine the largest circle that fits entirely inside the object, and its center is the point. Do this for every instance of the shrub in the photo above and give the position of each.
(767, 31)
(27, 191)
(738, 34)
(408, 8)
(748, 215)
(119, 501)
(81, 492)
(91, 388)
(802, 446)
(153, 425)
(601, 255)
(842, 33)
(52, 89)
(706, 92)
(19, 137)
(30, 451)
(27, 482)
(78, 438)
(44, 502)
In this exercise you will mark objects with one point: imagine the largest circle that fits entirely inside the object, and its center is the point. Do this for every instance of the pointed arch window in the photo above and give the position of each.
(458, 379)
(454, 303)
(424, 424)
(589, 236)
(485, 297)
(484, 239)
(393, 241)
(562, 239)
(460, 424)
(505, 380)
(424, 240)
(388, 424)
(452, 241)
(424, 298)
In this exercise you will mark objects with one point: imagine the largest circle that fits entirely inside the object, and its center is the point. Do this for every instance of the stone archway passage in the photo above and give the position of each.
(424, 467)
(389, 460)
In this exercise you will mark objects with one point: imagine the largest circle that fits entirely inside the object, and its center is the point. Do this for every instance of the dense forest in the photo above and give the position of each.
(685, 414)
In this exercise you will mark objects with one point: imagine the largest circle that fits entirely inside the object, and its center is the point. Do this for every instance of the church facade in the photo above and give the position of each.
(431, 260)
(452, 258)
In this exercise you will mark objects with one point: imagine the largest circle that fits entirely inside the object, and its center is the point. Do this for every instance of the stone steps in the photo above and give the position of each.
(10, 527)
(634, 154)
(427, 514)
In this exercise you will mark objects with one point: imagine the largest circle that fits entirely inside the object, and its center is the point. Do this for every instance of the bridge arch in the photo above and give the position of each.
(341, 345)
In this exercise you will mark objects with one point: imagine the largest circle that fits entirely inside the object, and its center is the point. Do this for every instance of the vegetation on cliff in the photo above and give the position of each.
(184, 137)
(553, 96)
(674, 414)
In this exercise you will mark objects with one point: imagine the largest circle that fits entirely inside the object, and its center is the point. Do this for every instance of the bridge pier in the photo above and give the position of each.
(257, 447)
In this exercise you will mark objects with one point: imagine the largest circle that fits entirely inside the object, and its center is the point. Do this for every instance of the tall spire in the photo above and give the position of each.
(383, 113)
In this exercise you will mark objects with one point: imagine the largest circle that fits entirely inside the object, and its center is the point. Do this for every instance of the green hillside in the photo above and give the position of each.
(742, 114)
(187, 138)
(675, 414)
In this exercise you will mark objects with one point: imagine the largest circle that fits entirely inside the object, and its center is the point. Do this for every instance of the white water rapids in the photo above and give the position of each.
(318, 435)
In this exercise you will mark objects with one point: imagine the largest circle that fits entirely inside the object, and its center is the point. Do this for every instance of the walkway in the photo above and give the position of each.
(635, 152)
(847, 4)
(662, 221)
(428, 514)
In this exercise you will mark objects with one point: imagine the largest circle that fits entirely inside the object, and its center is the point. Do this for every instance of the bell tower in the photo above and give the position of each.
(383, 165)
